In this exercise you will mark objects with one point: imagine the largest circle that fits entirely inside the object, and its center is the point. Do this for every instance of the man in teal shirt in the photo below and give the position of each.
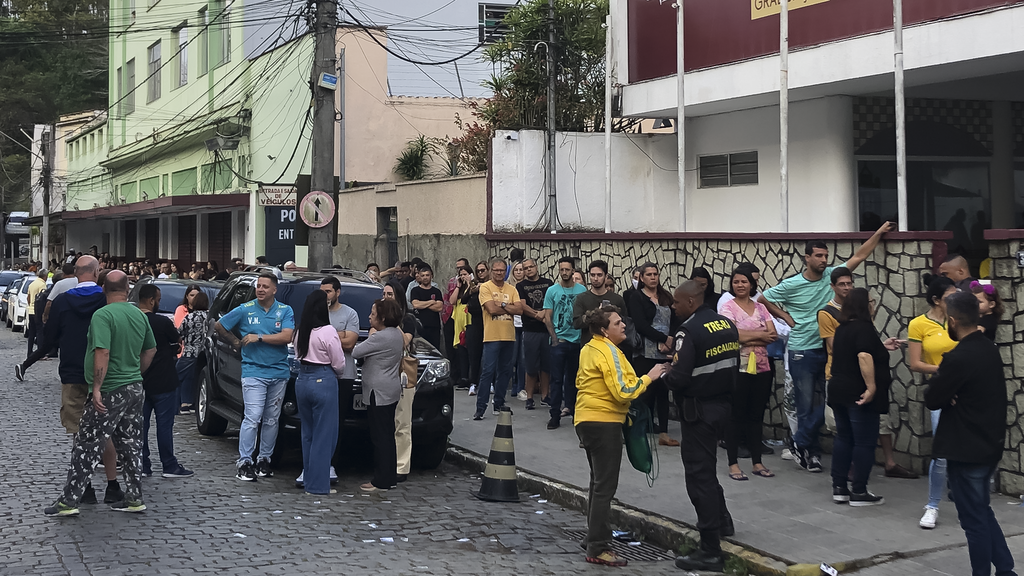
(119, 348)
(802, 296)
(565, 341)
(264, 328)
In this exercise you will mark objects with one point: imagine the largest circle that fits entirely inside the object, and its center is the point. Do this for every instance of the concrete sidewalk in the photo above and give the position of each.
(790, 517)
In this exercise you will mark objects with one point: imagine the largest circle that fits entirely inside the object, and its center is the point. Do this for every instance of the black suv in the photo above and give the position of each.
(219, 378)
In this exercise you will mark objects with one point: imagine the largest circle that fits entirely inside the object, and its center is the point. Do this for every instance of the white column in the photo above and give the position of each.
(680, 113)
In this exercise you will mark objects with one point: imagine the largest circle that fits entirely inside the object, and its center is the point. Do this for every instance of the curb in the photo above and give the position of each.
(665, 532)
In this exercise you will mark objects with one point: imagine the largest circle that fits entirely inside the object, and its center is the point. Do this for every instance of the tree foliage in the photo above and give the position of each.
(520, 86)
(53, 61)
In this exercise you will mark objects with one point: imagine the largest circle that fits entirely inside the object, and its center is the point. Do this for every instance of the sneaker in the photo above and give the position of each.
(19, 373)
(529, 404)
(128, 506)
(299, 482)
(553, 423)
(787, 454)
(332, 475)
(246, 472)
(840, 494)
(113, 494)
(60, 509)
(865, 499)
(179, 472)
(263, 469)
(147, 473)
(545, 401)
(801, 457)
(89, 496)
(479, 415)
(814, 463)
(522, 395)
(472, 390)
(496, 411)
(607, 558)
(931, 516)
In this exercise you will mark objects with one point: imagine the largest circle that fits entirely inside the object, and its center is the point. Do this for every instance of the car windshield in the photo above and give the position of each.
(172, 293)
(359, 297)
(7, 277)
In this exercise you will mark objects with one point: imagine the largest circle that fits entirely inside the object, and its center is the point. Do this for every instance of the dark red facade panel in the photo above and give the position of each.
(722, 31)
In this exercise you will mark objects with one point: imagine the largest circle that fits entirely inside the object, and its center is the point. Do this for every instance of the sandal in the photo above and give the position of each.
(763, 473)
(666, 440)
(740, 476)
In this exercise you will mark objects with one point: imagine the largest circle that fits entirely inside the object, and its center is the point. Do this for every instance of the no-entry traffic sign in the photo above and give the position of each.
(317, 209)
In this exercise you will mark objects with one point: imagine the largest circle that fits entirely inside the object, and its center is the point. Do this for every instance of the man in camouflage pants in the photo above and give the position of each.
(120, 347)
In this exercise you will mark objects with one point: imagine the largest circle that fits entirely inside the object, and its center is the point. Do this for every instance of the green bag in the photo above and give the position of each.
(638, 436)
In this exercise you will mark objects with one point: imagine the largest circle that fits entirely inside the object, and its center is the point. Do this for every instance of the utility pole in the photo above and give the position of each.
(681, 114)
(49, 141)
(552, 194)
(321, 245)
(3, 227)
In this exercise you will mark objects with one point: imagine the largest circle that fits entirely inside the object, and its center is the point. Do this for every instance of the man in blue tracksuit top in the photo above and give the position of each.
(264, 329)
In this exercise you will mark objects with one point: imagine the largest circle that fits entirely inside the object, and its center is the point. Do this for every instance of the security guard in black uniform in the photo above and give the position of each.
(702, 379)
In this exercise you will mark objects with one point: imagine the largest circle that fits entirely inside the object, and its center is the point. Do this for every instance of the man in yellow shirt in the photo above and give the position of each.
(33, 326)
(500, 302)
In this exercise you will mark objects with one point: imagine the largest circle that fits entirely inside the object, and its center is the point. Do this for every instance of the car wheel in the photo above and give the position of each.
(208, 423)
(428, 457)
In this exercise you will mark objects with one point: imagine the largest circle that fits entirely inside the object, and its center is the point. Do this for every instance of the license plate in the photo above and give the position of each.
(357, 402)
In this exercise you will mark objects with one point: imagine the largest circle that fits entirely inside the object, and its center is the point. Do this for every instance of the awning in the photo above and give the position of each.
(167, 206)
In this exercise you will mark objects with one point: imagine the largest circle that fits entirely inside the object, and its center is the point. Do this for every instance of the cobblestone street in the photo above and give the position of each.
(212, 523)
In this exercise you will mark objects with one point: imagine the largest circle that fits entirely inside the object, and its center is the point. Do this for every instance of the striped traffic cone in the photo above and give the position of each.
(499, 483)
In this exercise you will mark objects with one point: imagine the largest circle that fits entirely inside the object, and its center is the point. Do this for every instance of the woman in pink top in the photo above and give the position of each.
(754, 382)
(186, 304)
(321, 363)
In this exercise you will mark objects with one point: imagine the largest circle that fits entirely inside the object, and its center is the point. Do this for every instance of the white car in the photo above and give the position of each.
(19, 306)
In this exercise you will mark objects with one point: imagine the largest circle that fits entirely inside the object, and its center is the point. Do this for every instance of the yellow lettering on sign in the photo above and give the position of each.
(762, 8)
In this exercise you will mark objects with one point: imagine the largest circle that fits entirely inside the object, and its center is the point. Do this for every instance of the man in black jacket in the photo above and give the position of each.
(160, 384)
(971, 392)
(702, 378)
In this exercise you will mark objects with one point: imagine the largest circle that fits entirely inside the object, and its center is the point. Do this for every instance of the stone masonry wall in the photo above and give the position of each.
(892, 274)
(1008, 279)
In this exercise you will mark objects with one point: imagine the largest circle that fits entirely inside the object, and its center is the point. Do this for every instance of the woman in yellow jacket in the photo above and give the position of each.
(605, 383)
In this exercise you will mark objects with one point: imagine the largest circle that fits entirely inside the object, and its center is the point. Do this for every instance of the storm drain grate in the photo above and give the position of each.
(645, 552)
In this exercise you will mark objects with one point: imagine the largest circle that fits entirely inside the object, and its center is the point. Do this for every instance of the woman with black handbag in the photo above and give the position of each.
(606, 384)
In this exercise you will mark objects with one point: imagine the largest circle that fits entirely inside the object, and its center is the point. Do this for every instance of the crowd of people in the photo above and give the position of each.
(586, 350)
(589, 352)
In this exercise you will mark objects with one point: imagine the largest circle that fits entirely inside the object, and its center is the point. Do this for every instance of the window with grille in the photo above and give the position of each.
(727, 169)
(492, 22)
(204, 41)
(181, 35)
(153, 72)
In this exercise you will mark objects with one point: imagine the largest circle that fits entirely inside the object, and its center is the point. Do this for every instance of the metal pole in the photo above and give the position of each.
(341, 108)
(552, 191)
(608, 124)
(784, 113)
(322, 170)
(901, 116)
(3, 227)
(680, 115)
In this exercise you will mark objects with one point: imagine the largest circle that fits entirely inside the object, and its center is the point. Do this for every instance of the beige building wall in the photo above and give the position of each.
(378, 125)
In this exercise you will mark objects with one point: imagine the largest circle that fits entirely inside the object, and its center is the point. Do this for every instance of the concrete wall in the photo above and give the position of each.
(823, 196)
(439, 220)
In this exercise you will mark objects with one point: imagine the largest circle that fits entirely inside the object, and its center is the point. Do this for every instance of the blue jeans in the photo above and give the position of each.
(166, 406)
(316, 393)
(565, 362)
(186, 378)
(936, 472)
(808, 370)
(856, 438)
(262, 398)
(985, 542)
(496, 369)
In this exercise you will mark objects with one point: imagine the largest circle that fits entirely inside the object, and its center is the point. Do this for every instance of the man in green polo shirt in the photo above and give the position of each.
(120, 347)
